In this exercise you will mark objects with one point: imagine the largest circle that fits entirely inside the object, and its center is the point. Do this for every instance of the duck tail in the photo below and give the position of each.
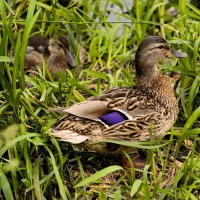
(69, 136)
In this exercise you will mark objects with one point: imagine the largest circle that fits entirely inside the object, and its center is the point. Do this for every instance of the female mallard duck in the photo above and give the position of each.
(126, 113)
(57, 54)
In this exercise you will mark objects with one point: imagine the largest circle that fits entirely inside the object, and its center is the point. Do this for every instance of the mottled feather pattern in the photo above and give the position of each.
(139, 104)
(145, 111)
(131, 100)
(80, 125)
(150, 108)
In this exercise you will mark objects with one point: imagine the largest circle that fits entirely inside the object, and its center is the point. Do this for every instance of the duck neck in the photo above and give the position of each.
(146, 72)
(157, 86)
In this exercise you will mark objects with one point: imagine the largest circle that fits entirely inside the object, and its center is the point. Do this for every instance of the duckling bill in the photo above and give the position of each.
(126, 113)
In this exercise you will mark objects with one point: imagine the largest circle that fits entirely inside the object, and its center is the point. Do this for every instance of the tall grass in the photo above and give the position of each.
(36, 166)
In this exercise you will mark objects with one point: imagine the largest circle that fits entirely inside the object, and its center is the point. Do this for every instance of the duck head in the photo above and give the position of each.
(150, 51)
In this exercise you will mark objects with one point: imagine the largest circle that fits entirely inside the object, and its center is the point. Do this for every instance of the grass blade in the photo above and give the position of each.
(57, 174)
(5, 59)
(36, 179)
(135, 187)
(15, 140)
(98, 175)
(140, 145)
(5, 186)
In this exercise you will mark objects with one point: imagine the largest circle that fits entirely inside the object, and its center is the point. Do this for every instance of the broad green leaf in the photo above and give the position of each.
(6, 59)
(135, 187)
(98, 175)
(5, 186)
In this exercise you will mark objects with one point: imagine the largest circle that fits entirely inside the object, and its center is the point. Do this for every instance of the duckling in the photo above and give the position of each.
(125, 113)
(37, 45)
(57, 54)
(60, 55)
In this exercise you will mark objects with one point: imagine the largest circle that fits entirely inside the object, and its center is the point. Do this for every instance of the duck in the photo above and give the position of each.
(137, 113)
(56, 53)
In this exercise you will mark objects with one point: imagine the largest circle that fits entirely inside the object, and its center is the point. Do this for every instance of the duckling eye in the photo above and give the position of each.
(160, 47)
(60, 45)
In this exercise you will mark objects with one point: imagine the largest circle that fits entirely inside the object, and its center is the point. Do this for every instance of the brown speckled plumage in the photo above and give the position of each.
(149, 106)
(55, 52)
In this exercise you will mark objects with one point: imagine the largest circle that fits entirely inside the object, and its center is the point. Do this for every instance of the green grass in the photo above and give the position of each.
(34, 165)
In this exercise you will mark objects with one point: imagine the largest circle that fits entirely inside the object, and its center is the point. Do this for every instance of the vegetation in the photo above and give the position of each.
(34, 165)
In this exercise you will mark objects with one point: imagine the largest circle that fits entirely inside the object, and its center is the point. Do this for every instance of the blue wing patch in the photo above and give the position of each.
(113, 117)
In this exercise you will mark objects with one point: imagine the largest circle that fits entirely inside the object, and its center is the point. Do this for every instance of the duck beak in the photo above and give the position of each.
(70, 59)
(179, 54)
(29, 49)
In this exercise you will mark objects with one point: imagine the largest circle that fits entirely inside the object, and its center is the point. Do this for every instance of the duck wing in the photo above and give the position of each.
(83, 120)
(149, 117)
(120, 113)
(88, 109)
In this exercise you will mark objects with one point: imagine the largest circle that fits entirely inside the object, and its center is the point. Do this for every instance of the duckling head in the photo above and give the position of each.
(37, 43)
(62, 47)
(150, 51)
(65, 44)
(54, 47)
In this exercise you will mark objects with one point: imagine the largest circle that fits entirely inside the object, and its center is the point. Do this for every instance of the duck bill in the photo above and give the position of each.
(71, 60)
(179, 54)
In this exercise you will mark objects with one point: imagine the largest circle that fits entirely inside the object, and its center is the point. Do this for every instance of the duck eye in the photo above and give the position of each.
(160, 47)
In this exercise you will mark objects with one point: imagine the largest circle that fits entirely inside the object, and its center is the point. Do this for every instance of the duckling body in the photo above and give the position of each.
(56, 53)
(125, 113)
